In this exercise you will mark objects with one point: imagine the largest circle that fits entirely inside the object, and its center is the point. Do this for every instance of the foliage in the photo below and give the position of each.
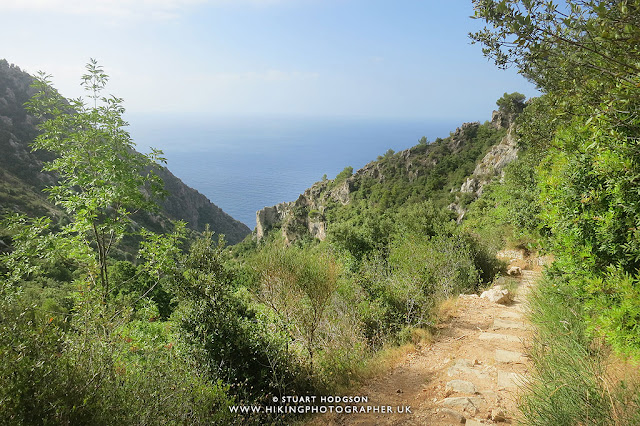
(580, 47)
(298, 286)
(584, 134)
(101, 176)
(82, 376)
(224, 333)
(511, 103)
(571, 381)
(75, 349)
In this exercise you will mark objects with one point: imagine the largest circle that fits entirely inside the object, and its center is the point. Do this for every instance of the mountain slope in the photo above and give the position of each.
(22, 179)
(439, 171)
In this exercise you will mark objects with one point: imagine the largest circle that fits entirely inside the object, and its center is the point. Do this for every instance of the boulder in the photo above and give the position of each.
(498, 295)
(514, 270)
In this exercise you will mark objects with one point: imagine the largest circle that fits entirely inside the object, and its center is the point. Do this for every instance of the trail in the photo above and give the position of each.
(470, 374)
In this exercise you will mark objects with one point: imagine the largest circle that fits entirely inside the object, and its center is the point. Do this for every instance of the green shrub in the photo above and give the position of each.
(570, 383)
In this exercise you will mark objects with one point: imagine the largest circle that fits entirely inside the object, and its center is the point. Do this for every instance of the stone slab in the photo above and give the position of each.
(508, 379)
(509, 356)
(460, 386)
(514, 325)
(497, 336)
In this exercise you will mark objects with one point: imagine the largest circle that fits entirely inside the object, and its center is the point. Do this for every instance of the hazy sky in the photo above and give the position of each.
(364, 58)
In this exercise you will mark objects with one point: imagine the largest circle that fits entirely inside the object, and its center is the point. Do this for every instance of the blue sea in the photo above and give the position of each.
(244, 164)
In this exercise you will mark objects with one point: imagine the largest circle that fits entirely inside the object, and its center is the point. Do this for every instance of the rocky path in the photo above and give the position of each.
(470, 374)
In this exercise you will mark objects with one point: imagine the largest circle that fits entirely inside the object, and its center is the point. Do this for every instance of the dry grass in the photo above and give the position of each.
(446, 310)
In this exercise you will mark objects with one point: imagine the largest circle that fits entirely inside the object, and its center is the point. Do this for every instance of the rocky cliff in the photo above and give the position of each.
(307, 213)
(22, 179)
(421, 172)
(492, 164)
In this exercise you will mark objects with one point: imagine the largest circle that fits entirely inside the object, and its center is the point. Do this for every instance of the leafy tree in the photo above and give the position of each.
(298, 286)
(102, 179)
(584, 56)
(344, 174)
(511, 103)
(559, 47)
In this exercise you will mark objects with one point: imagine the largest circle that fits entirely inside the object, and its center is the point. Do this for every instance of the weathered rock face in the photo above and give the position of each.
(498, 295)
(269, 216)
(492, 165)
(306, 213)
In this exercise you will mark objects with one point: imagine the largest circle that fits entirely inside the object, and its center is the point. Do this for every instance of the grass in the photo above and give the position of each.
(576, 380)
(391, 354)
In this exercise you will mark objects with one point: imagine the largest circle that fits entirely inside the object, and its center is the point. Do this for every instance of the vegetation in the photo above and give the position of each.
(86, 338)
(185, 328)
(22, 178)
(581, 162)
(574, 378)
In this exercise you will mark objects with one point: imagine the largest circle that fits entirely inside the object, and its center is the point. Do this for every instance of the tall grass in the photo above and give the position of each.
(572, 382)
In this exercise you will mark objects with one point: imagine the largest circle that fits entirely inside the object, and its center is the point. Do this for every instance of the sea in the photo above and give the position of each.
(243, 164)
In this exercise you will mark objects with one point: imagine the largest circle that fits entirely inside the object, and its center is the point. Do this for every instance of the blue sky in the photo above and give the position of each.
(347, 58)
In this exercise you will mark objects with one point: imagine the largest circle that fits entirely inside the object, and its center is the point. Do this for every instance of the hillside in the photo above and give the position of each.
(22, 179)
(450, 172)
(350, 290)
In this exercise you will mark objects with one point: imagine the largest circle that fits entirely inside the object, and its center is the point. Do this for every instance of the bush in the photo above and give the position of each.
(570, 383)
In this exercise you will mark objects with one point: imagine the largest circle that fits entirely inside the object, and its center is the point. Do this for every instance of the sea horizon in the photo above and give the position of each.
(243, 164)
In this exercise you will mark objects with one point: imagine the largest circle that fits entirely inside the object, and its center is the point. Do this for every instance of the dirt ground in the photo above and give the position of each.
(470, 374)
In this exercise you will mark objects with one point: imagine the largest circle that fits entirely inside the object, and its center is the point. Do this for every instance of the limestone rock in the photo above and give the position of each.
(498, 295)
(269, 216)
(497, 415)
(453, 415)
(499, 337)
(514, 270)
(460, 386)
(467, 404)
(489, 168)
(511, 255)
(508, 379)
(502, 355)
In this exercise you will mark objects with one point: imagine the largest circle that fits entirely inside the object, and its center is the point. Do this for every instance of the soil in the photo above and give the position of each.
(472, 373)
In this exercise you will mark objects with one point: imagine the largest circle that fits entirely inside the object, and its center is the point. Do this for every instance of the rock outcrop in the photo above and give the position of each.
(306, 214)
(492, 165)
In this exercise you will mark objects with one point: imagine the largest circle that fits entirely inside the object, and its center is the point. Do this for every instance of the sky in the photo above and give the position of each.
(330, 58)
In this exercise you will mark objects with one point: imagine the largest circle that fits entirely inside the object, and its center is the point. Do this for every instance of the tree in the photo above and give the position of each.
(298, 286)
(559, 47)
(511, 103)
(102, 179)
(584, 55)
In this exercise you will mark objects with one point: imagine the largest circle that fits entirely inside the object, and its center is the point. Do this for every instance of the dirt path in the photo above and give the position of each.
(469, 374)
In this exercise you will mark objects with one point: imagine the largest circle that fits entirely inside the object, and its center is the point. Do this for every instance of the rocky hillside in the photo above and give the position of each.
(22, 179)
(446, 171)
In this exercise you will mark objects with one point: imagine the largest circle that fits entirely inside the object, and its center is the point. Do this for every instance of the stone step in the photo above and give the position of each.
(515, 325)
(510, 314)
(497, 336)
(465, 366)
(460, 386)
(468, 404)
(508, 379)
(509, 356)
